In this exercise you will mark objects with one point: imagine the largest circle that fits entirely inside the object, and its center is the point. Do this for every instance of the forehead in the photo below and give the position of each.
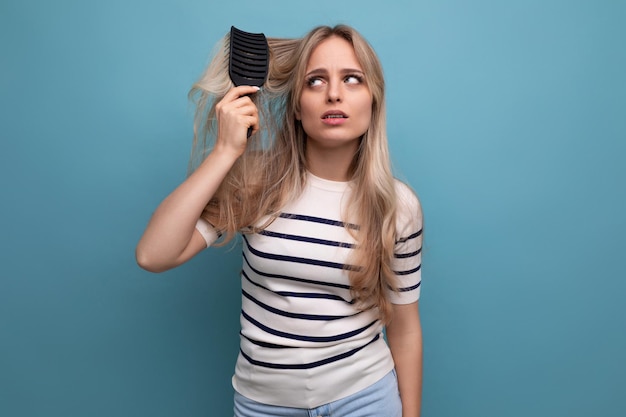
(333, 52)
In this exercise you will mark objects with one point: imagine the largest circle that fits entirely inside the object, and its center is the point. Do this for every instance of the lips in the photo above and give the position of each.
(334, 114)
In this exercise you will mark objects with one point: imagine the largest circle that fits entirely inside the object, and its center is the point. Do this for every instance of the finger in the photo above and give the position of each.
(243, 90)
(255, 123)
(243, 103)
(255, 127)
(241, 106)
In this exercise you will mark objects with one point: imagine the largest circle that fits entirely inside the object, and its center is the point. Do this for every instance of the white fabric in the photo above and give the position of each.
(207, 231)
(303, 343)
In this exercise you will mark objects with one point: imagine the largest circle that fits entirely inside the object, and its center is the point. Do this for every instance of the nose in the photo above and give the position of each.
(334, 92)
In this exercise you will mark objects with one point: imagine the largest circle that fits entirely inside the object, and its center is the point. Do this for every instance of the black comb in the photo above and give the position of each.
(249, 58)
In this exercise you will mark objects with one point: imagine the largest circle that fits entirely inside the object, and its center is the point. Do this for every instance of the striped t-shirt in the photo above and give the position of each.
(303, 343)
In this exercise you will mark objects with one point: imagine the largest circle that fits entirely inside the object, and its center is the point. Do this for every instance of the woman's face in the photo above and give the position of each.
(336, 104)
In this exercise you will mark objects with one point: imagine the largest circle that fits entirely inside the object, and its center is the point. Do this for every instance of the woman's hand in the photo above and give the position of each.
(235, 114)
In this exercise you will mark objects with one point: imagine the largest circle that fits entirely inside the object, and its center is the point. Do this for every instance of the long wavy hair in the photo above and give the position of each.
(272, 170)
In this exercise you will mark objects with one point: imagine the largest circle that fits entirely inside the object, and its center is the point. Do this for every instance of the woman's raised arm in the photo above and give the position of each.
(170, 238)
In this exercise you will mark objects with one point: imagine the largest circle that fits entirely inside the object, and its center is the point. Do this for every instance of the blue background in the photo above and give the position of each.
(507, 117)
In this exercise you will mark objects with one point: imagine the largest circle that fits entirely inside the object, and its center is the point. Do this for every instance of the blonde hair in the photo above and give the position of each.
(272, 170)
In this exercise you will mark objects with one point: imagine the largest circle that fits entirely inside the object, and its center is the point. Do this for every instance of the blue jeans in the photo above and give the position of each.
(381, 399)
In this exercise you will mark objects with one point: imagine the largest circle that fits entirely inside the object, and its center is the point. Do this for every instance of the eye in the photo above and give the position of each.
(353, 79)
(314, 81)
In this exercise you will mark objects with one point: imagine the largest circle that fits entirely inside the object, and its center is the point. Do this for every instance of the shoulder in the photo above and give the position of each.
(407, 199)
(409, 208)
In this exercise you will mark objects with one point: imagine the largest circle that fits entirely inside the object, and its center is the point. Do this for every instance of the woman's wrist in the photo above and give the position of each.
(225, 154)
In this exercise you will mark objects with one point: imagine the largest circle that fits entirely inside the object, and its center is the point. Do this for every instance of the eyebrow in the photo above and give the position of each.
(323, 71)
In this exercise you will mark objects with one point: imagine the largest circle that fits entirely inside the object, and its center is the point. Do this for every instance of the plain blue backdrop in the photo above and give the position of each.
(507, 117)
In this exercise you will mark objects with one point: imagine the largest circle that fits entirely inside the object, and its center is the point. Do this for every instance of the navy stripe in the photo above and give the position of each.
(296, 259)
(318, 220)
(409, 272)
(316, 339)
(297, 294)
(311, 364)
(307, 239)
(265, 344)
(413, 236)
(313, 295)
(406, 289)
(407, 255)
(293, 315)
(289, 278)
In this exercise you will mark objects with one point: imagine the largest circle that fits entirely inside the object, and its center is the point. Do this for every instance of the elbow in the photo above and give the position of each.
(147, 262)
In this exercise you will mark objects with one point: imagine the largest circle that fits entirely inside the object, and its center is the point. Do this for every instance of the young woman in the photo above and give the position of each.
(331, 241)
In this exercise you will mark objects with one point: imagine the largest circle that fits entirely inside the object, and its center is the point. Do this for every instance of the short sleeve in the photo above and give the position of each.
(207, 231)
(407, 262)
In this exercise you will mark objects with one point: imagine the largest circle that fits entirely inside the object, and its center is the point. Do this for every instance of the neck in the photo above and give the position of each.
(331, 163)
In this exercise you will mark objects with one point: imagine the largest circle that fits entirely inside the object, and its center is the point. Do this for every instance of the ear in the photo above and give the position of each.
(298, 115)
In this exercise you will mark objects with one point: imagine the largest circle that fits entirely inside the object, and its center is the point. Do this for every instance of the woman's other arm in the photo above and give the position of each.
(404, 335)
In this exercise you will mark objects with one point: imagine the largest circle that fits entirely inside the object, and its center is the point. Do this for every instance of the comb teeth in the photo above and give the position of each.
(248, 62)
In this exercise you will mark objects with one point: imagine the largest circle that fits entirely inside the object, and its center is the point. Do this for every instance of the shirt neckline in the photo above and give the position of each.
(329, 185)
